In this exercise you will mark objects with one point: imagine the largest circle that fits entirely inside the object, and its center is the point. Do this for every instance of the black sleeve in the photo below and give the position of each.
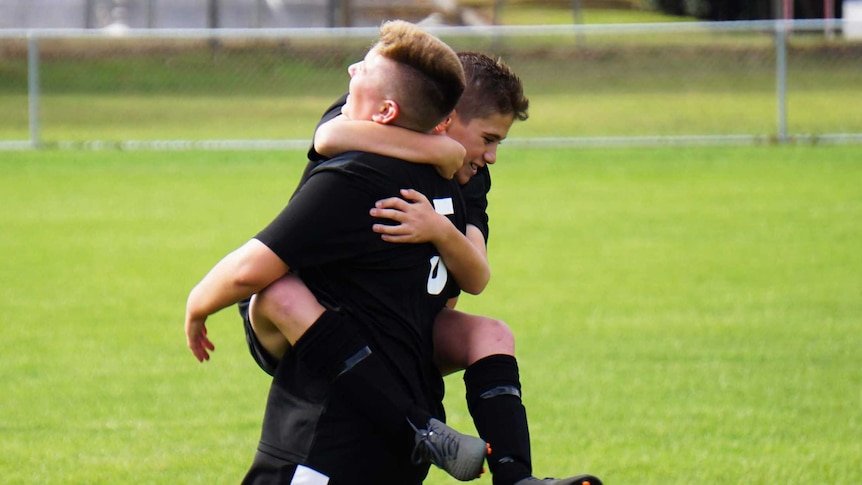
(326, 220)
(475, 194)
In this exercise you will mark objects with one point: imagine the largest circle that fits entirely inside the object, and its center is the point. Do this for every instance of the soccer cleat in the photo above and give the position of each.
(578, 480)
(460, 455)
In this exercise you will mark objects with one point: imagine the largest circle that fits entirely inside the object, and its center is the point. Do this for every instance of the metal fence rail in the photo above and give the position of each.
(635, 84)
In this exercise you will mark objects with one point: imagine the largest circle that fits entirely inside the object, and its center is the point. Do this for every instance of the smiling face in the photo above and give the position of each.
(480, 137)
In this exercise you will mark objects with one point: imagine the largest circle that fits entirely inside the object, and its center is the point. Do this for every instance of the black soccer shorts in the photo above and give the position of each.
(264, 359)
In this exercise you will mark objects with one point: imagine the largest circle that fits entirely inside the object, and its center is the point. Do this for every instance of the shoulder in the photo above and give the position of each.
(372, 164)
(386, 176)
(356, 162)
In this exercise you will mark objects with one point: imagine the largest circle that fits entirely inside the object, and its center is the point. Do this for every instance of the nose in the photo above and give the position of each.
(351, 69)
(491, 154)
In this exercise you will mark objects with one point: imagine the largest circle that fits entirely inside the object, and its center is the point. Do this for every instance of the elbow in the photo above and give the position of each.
(323, 144)
(477, 285)
(326, 138)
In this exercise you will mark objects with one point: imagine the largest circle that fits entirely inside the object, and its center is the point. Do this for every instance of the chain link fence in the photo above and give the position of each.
(236, 14)
(730, 82)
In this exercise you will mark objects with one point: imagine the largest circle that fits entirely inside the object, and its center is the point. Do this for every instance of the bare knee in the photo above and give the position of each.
(289, 305)
(492, 337)
(284, 297)
(462, 339)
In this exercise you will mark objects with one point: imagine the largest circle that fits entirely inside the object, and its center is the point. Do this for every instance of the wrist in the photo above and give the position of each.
(444, 231)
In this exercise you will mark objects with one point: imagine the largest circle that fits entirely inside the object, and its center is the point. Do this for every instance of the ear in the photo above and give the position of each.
(389, 111)
(443, 126)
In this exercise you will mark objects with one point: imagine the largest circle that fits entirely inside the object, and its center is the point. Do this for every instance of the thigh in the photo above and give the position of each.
(285, 309)
(460, 339)
(262, 354)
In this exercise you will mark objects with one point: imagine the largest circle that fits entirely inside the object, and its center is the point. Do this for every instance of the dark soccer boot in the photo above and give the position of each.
(578, 480)
(460, 455)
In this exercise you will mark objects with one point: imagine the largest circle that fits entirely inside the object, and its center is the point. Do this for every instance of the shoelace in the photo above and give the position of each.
(426, 448)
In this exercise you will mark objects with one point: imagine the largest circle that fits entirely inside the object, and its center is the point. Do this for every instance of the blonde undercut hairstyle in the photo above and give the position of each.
(430, 79)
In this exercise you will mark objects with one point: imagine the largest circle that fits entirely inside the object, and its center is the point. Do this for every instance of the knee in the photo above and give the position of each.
(283, 298)
(497, 334)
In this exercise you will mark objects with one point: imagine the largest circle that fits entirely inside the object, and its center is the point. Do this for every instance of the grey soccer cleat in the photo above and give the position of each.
(578, 480)
(460, 455)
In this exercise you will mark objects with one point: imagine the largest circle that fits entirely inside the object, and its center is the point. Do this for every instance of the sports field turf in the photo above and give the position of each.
(684, 316)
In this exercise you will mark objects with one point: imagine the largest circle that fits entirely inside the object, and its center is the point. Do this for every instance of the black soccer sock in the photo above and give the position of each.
(334, 347)
(494, 400)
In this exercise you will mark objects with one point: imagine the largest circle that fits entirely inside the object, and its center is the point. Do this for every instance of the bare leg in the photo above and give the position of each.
(282, 313)
(485, 348)
(461, 339)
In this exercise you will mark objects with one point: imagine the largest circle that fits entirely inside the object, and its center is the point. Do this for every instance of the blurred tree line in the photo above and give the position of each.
(744, 9)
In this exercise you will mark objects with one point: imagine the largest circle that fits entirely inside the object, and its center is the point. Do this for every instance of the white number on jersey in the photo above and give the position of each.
(438, 276)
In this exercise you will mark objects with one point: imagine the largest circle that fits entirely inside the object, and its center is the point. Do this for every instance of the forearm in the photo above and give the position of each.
(418, 222)
(216, 291)
(340, 135)
(466, 262)
(237, 276)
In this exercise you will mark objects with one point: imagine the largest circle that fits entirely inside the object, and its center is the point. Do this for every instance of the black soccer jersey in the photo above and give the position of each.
(475, 193)
(394, 290)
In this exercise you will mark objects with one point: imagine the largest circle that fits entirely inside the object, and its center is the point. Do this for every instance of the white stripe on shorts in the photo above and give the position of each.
(307, 476)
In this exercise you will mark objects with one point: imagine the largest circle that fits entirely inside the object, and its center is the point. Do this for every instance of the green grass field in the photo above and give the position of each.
(684, 315)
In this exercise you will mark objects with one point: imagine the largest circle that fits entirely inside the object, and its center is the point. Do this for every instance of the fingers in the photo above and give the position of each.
(414, 195)
(198, 342)
(399, 230)
(392, 203)
(412, 216)
(201, 348)
(391, 214)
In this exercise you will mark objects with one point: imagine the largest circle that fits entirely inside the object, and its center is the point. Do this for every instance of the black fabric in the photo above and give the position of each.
(499, 416)
(475, 193)
(333, 348)
(268, 470)
(309, 422)
(261, 356)
(390, 292)
(327, 344)
(325, 233)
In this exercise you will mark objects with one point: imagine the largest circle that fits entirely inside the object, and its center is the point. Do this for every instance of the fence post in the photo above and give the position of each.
(781, 77)
(577, 11)
(33, 87)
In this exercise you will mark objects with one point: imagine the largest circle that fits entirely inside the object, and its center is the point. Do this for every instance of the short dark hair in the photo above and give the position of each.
(491, 88)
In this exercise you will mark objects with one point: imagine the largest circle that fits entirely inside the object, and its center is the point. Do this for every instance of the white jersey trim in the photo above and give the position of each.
(307, 476)
(444, 206)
